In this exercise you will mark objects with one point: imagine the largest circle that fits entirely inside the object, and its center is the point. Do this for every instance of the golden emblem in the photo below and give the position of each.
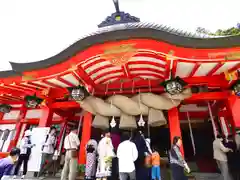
(170, 56)
(231, 76)
(119, 55)
(227, 55)
(29, 76)
(233, 56)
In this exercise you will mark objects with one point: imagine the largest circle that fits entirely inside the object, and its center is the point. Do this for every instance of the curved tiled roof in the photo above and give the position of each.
(130, 31)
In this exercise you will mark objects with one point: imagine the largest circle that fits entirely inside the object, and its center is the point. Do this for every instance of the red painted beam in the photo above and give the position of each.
(234, 68)
(194, 115)
(194, 70)
(219, 65)
(65, 105)
(208, 96)
(212, 81)
(29, 121)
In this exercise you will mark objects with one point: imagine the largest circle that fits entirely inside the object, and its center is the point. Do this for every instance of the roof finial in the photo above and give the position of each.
(116, 4)
(118, 17)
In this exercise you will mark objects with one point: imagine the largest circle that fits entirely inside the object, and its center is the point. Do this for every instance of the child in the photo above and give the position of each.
(7, 164)
(155, 165)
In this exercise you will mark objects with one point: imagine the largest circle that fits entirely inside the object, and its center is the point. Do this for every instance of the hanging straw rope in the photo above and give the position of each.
(191, 134)
(212, 120)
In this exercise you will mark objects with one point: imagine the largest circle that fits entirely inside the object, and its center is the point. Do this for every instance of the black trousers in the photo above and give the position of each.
(178, 172)
(23, 158)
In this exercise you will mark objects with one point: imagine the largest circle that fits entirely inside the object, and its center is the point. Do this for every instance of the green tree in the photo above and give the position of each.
(221, 32)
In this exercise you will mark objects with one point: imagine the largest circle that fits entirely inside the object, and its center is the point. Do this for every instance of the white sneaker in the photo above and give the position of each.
(14, 177)
(23, 176)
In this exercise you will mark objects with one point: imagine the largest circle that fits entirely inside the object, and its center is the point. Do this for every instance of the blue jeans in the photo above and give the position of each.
(156, 175)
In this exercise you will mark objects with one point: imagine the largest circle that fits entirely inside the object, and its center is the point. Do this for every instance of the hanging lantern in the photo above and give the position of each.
(236, 88)
(32, 101)
(78, 93)
(174, 85)
(5, 108)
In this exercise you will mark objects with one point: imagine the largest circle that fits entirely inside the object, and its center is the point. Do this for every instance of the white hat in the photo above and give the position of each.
(27, 133)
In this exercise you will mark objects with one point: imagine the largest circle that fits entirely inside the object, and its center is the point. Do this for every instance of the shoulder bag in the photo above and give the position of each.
(74, 152)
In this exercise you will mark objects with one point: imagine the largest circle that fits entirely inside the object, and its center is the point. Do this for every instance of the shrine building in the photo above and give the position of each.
(126, 75)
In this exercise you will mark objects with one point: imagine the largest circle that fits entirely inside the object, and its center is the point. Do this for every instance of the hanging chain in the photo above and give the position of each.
(212, 120)
(191, 134)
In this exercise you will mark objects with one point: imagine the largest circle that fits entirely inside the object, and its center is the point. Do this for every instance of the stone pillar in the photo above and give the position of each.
(174, 125)
(86, 135)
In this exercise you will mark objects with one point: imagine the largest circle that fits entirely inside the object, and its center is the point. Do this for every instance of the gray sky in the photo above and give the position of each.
(32, 30)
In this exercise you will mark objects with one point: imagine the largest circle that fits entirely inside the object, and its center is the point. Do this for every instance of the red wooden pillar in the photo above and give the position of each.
(19, 124)
(233, 105)
(46, 117)
(174, 125)
(1, 116)
(86, 135)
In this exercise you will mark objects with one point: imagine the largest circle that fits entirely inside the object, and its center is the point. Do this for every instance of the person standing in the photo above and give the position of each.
(219, 154)
(237, 139)
(127, 154)
(116, 140)
(177, 161)
(25, 152)
(155, 159)
(48, 150)
(106, 153)
(71, 145)
(7, 164)
(142, 163)
(91, 152)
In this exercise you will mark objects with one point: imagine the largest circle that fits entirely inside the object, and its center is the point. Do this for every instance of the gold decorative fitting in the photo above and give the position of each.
(73, 67)
(45, 92)
(233, 56)
(119, 55)
(227, 55)
(169, 56)
(230, 76)
(28, 77)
